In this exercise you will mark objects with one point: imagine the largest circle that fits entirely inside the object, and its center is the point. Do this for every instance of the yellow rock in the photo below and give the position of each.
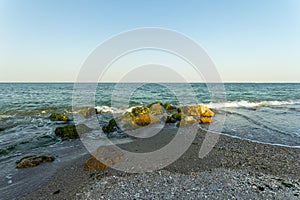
(200, 110)
(205, 111)
(145, 119)
(205, 120)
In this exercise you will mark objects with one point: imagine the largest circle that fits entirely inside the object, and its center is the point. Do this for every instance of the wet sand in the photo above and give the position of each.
(230, 154)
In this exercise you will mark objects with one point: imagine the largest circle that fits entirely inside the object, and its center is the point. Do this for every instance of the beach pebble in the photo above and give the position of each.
(163, 184)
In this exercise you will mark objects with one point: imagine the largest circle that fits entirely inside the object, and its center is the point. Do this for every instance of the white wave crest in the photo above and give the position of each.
(238, 104)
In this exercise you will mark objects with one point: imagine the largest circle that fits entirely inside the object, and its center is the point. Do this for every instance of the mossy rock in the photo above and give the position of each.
(139, 111)
(168, 106)
(156, 102)
(71, 131)
(170, 119)
(142, 120)
(111, 127)
(32, 161)
(173, 118)
(87, 112)
(59, 117)
(157, 109)
(177, 116)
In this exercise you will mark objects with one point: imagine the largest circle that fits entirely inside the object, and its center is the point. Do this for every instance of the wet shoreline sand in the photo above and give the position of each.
(231, 159)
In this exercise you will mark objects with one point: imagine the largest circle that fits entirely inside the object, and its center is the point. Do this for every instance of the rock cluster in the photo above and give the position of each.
(153, 113)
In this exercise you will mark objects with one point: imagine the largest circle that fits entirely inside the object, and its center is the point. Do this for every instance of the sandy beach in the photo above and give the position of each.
(234, 169)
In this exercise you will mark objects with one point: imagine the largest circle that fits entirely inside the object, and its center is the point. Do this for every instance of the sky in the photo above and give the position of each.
(248, 41)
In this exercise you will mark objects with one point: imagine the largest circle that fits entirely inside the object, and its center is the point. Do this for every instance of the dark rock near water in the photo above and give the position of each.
(71, 131)
(111, 127)
(32, 161)
(168, 106)
(59, 117)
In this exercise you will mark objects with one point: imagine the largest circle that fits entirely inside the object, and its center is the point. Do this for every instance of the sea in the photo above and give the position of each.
(261, 112)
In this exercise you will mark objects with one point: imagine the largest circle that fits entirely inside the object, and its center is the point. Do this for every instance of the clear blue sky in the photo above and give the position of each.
(249, 40)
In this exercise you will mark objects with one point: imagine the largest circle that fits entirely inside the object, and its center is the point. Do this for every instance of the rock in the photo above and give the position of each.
(157, 109)
(168, 106)
(142, 120)
(93, 164)
(145, 119)
(205, 120)
(139, 111)
(103, 158)
(88, 112)
(187, 121)
(32, 161)
(59, 117)
(71, 131)
(173, 118)
(111, 127)
(200, 110)
(157, 102)
(125, 122)
(2, 129)
(170, 119)
(177, 116)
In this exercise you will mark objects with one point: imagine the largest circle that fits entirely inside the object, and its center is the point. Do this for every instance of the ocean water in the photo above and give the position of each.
(264, 112)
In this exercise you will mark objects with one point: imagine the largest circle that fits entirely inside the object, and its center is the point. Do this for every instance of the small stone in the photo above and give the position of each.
(32, 161)
(72, 131)
(59, 117)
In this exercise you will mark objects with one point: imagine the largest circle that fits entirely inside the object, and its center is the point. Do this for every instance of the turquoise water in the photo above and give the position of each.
(264, 112)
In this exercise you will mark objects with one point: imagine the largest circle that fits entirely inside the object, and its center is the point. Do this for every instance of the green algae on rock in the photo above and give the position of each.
(111, 127)
(59, 117)
(72, 131)
(32, 161)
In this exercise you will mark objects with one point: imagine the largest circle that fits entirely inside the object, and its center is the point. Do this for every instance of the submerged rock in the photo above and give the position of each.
(88, 112)
(59, 117)
(71, 131)
(32, 161)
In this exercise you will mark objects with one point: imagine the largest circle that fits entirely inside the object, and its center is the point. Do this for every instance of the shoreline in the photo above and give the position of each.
(230, 155)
